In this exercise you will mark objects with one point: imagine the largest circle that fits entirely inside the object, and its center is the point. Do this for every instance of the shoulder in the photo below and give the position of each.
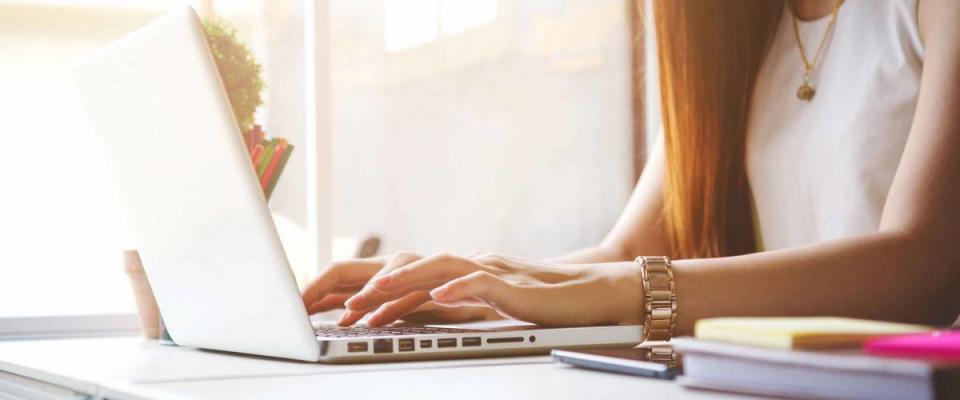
(939, 21)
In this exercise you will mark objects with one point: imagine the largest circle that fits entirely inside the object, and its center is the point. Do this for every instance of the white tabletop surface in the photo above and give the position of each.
(134, 368)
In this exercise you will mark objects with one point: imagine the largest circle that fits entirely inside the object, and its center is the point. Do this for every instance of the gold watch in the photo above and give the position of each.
(660, 298)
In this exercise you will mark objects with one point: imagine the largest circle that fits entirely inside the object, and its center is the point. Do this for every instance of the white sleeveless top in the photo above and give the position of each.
(821, 170)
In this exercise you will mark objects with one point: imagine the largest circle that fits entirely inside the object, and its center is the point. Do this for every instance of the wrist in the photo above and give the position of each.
(637, 312)
(628, 285)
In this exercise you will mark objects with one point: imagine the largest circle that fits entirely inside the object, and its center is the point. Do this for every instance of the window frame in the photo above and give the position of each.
(68, 326)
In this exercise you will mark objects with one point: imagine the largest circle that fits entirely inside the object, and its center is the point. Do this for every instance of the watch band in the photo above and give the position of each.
(660, 298)
(662, 354)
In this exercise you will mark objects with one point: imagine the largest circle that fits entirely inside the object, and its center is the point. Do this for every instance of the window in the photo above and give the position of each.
(461, 15)
(412, 23)
(61, 243)
(494, 125)
(61, 235)
(409, 23)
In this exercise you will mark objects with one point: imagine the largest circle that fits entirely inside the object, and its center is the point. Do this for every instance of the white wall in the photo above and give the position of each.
(514, 137)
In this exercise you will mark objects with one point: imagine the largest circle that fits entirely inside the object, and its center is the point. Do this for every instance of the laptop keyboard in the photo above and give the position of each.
(363, 331)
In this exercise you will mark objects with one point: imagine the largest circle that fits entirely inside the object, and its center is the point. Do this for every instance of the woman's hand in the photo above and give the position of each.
(343, 279)
(535, 292)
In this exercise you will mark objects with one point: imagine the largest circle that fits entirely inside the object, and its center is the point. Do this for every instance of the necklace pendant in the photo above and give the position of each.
(806, 92)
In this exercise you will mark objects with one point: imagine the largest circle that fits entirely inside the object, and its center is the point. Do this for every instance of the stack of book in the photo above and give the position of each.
(269, 157)
(820, 358)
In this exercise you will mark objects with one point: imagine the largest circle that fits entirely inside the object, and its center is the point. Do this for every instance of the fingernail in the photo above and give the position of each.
(438, 292)
(354, 301)
(382, 281)
(343, 317)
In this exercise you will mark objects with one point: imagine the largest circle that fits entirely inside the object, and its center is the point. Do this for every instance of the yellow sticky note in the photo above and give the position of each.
(799, 332)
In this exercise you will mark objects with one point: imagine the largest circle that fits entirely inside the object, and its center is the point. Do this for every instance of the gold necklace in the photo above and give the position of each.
(806, 91)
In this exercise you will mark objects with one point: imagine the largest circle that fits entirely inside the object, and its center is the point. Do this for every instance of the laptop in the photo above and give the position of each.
(206, 237)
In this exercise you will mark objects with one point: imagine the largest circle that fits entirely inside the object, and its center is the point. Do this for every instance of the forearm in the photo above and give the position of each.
(885, 276)
(592, 255)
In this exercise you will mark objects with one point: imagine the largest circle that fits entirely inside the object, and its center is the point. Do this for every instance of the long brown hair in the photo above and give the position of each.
(710, 52)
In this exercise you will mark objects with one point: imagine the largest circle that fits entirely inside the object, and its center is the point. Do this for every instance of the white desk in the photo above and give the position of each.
(133, 368)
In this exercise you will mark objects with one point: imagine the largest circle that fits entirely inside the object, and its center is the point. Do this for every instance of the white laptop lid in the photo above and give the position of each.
(191, 198)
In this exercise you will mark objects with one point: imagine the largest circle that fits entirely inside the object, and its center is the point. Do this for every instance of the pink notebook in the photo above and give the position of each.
(941, 345)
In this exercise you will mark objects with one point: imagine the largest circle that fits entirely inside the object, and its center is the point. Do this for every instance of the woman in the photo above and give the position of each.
(809, 165)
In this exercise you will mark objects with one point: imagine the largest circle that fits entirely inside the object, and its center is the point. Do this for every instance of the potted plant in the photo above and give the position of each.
(240, 73)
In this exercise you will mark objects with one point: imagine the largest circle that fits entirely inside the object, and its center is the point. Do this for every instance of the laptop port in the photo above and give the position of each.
(357, 347)
(450, 342)
(382, 346)
(426, 344)
(405, 344)
(515, 339)
(470, 341)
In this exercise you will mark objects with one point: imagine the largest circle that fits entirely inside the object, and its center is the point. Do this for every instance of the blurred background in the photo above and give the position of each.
(512, 126)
